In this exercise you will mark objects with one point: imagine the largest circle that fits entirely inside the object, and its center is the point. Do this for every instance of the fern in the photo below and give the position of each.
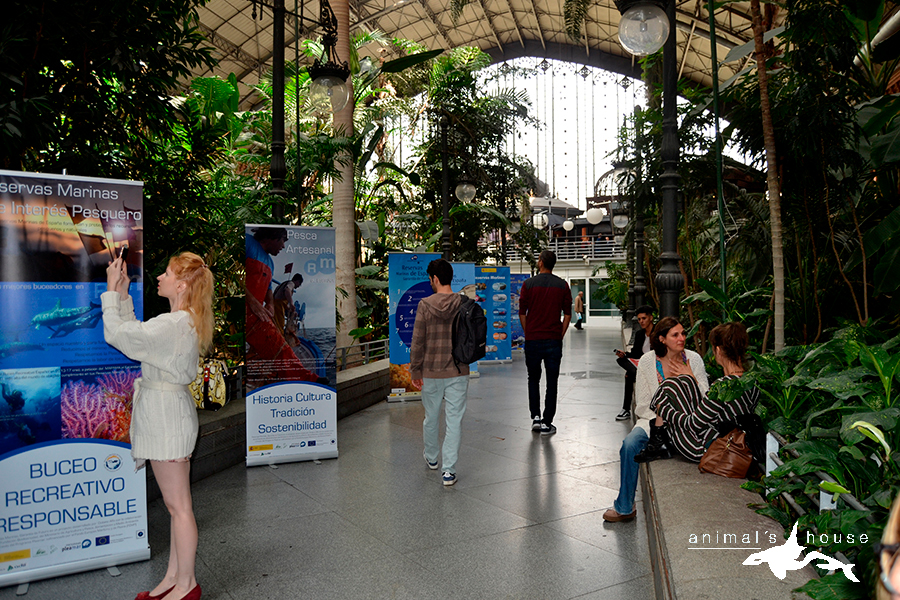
(575, 14)
(456, 8)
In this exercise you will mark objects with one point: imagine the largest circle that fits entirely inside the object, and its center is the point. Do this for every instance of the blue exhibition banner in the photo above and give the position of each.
(72, 500)
(408, 284)
(291, 372)
(492, 289)
(516, 333)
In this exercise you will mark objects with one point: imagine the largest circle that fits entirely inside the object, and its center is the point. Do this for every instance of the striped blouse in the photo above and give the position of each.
(691, 416)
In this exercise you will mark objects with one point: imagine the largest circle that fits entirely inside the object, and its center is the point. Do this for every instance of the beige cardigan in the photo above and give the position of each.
(164, 417)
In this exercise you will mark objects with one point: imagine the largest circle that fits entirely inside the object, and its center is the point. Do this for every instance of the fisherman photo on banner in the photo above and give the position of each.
(66, 395)
(291, 371)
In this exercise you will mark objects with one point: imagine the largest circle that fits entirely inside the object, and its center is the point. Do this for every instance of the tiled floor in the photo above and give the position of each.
(523, 521)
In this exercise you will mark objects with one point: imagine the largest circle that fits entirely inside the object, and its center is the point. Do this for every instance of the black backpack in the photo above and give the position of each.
(469, 333)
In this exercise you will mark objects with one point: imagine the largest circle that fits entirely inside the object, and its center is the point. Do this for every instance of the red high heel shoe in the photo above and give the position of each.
(194, 594)
(148, 596)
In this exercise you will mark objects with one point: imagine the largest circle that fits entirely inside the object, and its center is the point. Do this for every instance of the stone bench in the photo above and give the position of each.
(681, 502)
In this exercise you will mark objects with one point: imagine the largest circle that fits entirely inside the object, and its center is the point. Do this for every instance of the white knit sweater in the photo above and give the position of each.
(647, 382)
(164, 421)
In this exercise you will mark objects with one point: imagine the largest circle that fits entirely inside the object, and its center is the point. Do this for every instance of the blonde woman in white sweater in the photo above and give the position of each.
(164, 420)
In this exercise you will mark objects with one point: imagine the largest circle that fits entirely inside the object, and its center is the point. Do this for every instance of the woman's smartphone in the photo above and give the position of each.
(123, 253)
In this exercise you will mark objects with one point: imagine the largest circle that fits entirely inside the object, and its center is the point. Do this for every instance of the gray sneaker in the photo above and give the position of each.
(624, 415)
(548, 429)
(536, 424)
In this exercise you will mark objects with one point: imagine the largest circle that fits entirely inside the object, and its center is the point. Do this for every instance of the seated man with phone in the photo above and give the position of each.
(628, 360)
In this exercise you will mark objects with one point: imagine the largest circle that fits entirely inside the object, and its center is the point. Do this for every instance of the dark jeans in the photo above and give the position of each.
(630, 377)
(550, 353)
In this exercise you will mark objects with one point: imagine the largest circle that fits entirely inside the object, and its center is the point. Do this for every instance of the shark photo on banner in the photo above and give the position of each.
(66, 394)
(291, 371)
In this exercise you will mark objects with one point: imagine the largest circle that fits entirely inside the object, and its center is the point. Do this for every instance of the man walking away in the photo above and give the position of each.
(644, 315)
(433, 370)
(579, 310)
(543, 298)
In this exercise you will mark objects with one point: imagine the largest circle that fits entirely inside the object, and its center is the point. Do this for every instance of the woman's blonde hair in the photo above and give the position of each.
(198, 295)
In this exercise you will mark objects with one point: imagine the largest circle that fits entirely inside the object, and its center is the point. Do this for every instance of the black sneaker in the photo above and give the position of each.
(624, 415)
(536, 424)
(548, 429)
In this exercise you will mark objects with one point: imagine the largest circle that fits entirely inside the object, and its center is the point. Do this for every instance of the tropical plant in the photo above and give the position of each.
(837, 404)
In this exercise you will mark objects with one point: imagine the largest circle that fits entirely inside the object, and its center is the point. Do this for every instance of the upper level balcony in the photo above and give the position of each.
(589, 251)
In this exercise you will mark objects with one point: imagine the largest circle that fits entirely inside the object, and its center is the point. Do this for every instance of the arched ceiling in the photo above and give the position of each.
(504, 29)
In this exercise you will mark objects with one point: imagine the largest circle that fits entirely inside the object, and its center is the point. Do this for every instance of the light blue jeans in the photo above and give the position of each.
(633, 443)
(453, 390)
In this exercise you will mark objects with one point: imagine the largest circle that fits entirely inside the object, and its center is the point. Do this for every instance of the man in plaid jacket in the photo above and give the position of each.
(433, 370)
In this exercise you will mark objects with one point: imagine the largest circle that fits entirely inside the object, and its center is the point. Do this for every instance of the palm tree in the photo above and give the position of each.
(774, 187)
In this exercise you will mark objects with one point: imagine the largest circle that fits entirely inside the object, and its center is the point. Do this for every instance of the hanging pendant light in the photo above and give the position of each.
(328, 76)
(644, 27)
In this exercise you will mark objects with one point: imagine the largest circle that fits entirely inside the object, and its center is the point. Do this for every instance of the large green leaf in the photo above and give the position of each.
(874, 115)
(884, 419)
(886, 146)
(843, 384)
(399, 64)
(865, 16)
(834, 587)
(411, 176)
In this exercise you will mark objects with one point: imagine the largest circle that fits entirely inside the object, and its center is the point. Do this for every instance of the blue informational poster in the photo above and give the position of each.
(517, 334)
(72, 500)
(492, 291)
(408, 283)
(291, 372)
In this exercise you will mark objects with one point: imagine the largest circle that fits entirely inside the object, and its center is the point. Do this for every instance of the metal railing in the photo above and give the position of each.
(824, 501)
(572, 250)
(361, 354)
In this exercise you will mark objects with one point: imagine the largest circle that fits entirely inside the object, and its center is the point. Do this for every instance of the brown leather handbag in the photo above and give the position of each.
(728, 456)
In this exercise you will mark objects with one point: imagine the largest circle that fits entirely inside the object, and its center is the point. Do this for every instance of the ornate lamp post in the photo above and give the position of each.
(642, 31)
(337, 73)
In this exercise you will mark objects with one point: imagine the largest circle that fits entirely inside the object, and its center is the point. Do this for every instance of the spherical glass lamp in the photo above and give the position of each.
(620, 221)
(619, 240)
(329, 88)
(643, 29)
(594, 215)
(465, 191)
(540, 220)
(514, 226)
(568, 225)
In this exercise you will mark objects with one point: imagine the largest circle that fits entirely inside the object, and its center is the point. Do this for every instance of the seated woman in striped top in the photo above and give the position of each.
(689, 415)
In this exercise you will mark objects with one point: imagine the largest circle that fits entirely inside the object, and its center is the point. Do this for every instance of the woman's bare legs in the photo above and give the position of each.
(174, 480)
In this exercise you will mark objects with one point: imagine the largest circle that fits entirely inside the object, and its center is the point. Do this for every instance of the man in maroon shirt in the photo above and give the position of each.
(543, 298)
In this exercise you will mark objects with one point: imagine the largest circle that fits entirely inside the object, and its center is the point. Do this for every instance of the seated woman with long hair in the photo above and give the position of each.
(689, 414)
(666, 360)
